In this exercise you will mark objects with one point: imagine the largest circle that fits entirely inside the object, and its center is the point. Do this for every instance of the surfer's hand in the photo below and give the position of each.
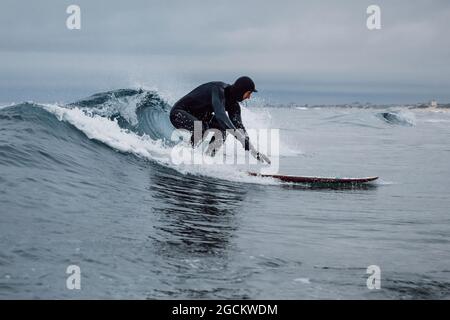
(260, 156)
(263, 157)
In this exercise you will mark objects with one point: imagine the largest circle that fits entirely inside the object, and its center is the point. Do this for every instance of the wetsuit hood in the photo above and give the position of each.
(241, 86)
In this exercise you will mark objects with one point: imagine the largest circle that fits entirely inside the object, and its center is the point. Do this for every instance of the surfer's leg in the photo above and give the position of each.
(184, 120)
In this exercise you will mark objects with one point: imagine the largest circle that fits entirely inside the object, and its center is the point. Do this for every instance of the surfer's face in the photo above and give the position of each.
(247, 95)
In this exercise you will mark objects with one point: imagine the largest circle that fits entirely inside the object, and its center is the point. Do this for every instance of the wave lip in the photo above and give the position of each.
(138, 110)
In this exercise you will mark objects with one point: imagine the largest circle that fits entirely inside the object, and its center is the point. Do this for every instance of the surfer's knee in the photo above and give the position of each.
(178, 120)
(173, 118)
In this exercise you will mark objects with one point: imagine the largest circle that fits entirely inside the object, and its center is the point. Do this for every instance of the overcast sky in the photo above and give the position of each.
(303, 51)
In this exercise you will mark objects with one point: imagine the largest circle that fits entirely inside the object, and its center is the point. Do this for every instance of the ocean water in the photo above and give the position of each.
(90, 184)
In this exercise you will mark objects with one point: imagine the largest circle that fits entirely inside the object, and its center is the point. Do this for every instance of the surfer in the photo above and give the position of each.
(216, 105)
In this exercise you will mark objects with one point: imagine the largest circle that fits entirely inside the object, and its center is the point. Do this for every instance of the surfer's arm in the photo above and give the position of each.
(218, 99)
(217, 102)
(235, 117)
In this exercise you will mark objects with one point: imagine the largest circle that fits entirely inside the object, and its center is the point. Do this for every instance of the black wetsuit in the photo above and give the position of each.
(210, 103)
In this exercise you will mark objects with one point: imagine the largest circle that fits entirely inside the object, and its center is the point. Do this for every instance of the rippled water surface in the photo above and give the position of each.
(77, 188)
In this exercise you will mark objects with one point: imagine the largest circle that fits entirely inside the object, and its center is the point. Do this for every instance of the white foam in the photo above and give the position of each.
(5, 105)
(407, 116)
(302, 280)
(382, 182)
(109, 132)
(437, 120)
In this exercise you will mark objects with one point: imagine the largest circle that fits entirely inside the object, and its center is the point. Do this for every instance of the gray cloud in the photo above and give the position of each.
(315, 49)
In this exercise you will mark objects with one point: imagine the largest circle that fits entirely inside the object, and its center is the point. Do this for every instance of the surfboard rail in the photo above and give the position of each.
(310, 179)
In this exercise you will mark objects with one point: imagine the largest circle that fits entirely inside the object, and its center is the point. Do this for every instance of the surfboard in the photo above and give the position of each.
(315, 180)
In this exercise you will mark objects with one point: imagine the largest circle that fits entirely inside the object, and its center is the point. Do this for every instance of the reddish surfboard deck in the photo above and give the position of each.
(298, 179)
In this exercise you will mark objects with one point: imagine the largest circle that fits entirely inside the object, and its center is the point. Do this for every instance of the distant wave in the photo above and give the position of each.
(404, 118)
